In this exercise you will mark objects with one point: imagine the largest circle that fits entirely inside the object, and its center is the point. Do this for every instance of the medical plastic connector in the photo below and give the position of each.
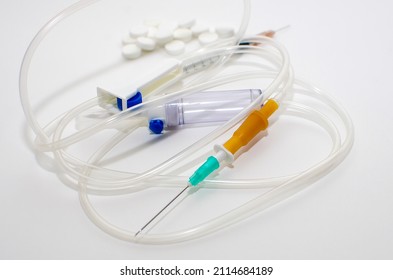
(156, 126)
(210, 165)
(204, 107)
(253, 124)
(141, 86)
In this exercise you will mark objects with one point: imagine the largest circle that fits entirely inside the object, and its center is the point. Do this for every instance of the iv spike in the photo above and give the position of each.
(162, 210)
(271, 33)
(268, 33)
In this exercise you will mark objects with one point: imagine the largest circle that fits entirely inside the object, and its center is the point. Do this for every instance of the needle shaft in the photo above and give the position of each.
(282, 28)
(165, 207)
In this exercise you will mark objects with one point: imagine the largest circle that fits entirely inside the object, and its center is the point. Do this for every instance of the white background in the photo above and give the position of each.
(344, 46)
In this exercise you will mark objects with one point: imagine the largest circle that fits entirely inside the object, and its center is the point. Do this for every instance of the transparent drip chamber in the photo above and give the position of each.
(207, 107)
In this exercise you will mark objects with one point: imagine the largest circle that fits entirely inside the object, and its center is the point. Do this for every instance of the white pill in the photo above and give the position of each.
(138, 31)
(186, 23)
(128, 40)
(207, 37)
(224, 31)
(163, 36)
(175, 47)
(146, 44)
(131, 51)
(198, 29)
(168, 25)
(152, 22)
(182, 34)
(152, 32)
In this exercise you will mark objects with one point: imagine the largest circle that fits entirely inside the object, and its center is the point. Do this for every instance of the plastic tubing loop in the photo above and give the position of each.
(281, 78)
(89, 177)
(34, 44)
(82, 108)
(282, 188)
(125, 182)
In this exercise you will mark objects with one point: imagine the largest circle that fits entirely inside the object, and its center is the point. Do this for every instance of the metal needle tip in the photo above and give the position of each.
(282, 28)
(162, 210)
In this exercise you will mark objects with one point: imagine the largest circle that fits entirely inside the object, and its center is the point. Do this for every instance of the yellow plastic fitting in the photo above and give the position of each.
(253, 124)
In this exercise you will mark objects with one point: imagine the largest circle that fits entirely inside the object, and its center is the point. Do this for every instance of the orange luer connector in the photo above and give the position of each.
(253, 124)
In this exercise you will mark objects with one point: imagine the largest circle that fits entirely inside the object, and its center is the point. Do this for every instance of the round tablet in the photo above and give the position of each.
(163, 36)
(168, 25)
(152, 32)
(138, 31)
(146, 44)
(224, 31)
(198, 29)
(175, 47)
(207, 37)
(152, 22)
(186, 23)
(131, 51)
(182, 34)
(128, 40)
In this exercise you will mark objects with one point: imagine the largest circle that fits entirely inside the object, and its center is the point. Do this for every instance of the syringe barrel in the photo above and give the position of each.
(208, 106)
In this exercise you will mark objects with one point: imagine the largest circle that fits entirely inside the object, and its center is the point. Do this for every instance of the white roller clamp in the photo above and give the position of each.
(137, 84)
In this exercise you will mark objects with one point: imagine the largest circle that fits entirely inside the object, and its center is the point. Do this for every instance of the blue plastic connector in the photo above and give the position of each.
(156, 126)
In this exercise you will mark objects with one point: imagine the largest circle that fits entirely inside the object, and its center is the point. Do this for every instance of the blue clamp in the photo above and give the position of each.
(135, 100)
(156, 126)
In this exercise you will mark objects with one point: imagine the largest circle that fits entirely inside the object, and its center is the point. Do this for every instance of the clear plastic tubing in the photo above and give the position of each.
(35, 43)
(205, 107)
(91, 177)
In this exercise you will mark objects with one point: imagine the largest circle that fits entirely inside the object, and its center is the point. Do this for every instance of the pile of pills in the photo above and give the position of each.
(170, 35)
